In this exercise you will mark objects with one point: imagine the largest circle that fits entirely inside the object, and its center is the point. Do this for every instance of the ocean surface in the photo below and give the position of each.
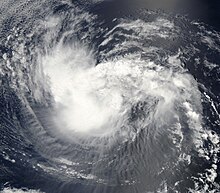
(109, 96)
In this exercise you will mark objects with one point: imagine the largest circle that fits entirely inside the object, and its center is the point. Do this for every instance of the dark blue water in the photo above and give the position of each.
(157, 62)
